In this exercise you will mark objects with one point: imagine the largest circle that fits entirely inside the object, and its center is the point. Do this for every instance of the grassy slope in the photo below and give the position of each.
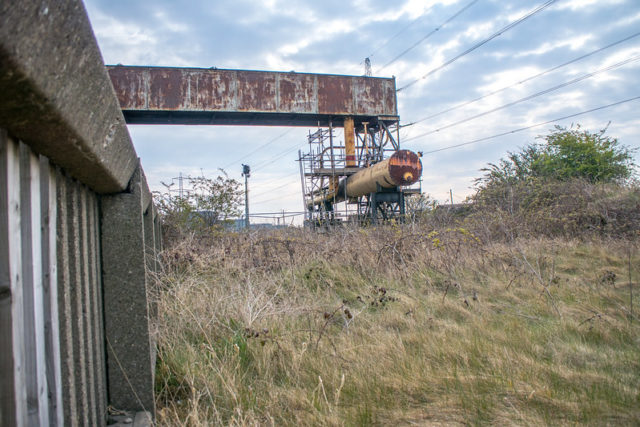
(382, 327)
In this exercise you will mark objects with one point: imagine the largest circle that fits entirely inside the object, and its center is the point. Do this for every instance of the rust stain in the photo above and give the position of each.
(166, 89)
(297, 93)
(212, 91)
(368, 96)
(389, 99)
(256, 91)
(405, 167)
(129, 85)
(335, 95)
(195, 89)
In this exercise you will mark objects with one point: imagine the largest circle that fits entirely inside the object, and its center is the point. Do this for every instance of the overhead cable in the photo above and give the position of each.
(278, 179)
(280, 197)
(475, 141)
(390, 39)
(261, 165)
(529, 97)
(483, 42)
(259, 148)
(432, 32)
(464, 104)
(271, 190)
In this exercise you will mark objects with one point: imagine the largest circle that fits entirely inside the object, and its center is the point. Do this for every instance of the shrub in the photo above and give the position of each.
(566, 154)
(207, 203)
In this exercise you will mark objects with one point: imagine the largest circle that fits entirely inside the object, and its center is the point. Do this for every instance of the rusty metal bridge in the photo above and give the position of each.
(209, 96)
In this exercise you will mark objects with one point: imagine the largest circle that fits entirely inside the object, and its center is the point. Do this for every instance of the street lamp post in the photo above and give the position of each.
(246, 172)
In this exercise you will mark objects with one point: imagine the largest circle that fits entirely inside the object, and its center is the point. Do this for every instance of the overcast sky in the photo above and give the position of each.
(334, 37)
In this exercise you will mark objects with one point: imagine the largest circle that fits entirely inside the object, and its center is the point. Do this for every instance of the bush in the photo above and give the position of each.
(208, 203)
(576, 184)
(567, 154)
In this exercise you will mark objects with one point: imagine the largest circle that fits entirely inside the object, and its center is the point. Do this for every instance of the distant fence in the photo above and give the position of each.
(79, 234)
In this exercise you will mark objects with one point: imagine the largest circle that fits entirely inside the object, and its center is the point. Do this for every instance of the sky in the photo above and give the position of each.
(568, 58)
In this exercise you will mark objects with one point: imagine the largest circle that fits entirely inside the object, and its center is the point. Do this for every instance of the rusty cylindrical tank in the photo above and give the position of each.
(402, 168)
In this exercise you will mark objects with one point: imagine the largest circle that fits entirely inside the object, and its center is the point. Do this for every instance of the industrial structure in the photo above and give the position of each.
(331, 172)
(358, 173)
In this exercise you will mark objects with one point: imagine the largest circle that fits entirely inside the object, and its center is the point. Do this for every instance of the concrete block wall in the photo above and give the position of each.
(80, 301)
(78, 231)
(126, 283)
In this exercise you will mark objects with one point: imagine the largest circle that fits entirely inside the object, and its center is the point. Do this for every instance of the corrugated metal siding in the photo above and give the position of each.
(52, 362)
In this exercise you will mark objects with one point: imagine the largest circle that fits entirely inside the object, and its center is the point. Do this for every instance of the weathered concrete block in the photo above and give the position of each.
(52, 74)
(129, 347)
(64, 259)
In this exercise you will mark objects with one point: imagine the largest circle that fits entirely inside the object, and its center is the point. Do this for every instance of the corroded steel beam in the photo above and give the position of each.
(158, 95)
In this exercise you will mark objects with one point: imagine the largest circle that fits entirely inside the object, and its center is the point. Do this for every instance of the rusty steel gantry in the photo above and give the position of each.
(209, 96)
(366, 107)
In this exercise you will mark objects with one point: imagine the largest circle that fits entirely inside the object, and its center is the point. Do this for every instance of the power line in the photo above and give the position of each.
(475, 141)
(398, 33)
(432, 32)
(280, 197)
(529, 97)
(258, 149)
(464, 104)
(261, 165)
(277, 179)
(483, 42)
(271, 190)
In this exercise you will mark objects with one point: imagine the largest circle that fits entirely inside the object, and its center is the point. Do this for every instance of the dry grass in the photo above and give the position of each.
(396, 325)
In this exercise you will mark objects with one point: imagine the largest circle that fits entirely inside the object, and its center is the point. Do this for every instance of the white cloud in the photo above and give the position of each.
(574, 43)
(498, 80)
(167, 24)
(632, 19)
(128, 43)
(582, 5)
(324, 32)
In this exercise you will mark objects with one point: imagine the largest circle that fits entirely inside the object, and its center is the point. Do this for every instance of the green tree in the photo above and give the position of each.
(565, 154)
(205, 203)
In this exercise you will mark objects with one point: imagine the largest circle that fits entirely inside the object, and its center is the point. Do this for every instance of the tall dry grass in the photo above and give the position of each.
(397, 325)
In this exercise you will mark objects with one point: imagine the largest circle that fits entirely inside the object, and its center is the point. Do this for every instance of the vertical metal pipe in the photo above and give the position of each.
(333, 159)
(246, 201)
(304, 192)
(366, 145)
(349, 142)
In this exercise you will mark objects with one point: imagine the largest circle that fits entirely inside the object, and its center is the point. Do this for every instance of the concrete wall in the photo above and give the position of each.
(78, 231)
